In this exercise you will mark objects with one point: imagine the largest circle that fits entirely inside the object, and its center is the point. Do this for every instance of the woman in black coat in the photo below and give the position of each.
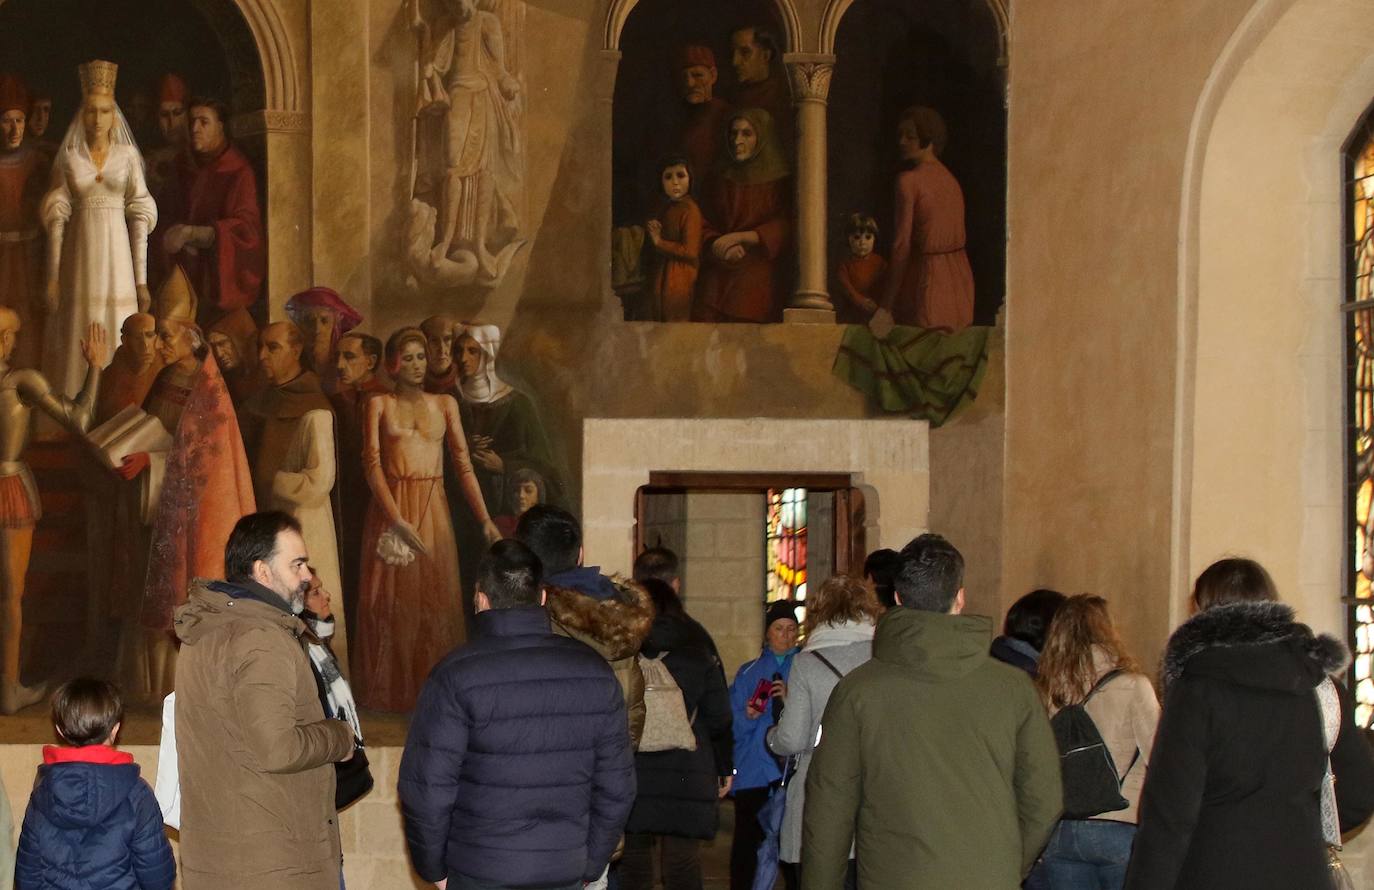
(676, 804)
(1233, 796)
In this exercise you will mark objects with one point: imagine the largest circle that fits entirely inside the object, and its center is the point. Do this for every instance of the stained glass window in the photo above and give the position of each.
(786, 545)
(1359, 322)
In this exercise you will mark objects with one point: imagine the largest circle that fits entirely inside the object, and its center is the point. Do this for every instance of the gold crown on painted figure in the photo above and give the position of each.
(98, 77)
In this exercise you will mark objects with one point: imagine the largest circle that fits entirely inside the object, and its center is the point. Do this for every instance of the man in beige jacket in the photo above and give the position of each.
(254, 750)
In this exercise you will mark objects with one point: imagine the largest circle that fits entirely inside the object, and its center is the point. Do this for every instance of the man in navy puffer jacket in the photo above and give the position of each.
(92, 823)
(518, 770)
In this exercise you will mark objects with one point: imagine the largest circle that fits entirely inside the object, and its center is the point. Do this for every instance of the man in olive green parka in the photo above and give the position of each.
(936, 760)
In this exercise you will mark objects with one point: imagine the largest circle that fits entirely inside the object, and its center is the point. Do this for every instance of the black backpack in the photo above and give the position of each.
(1091, 783)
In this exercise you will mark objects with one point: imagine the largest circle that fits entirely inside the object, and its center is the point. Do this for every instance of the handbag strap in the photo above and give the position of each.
(1110, 675)
(828, 663)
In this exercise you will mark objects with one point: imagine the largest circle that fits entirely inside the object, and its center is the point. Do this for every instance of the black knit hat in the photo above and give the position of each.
(780, 609)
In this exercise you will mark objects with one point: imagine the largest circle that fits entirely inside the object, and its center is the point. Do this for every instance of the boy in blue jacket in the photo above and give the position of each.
(92, 823)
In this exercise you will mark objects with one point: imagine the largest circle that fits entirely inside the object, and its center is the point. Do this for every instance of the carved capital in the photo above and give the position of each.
(271, 120)
(810, 80)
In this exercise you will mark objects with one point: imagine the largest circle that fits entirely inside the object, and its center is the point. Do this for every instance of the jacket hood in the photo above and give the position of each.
(932, 645)
(671, 632)
(211, 607)
(840, 634)
(615, 627)
(82, 795)
(1252, 644)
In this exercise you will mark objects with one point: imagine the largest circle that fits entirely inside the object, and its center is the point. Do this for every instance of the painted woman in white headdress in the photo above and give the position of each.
(98, 214)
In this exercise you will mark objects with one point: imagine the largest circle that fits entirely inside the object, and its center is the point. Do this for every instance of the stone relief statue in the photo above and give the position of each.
(464, 223)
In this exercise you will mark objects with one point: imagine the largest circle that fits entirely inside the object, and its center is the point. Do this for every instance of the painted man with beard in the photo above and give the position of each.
(252, 734)
(294, 459)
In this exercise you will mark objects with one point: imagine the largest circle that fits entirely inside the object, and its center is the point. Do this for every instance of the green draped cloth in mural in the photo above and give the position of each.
(924, 374)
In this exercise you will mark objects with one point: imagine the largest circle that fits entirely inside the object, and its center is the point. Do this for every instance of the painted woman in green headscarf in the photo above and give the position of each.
(748, 226)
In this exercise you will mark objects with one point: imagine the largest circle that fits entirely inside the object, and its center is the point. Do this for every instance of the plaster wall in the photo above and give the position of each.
(1100, 112)
(1268, 440)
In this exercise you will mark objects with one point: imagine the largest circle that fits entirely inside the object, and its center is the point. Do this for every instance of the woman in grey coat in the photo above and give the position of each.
(840, 618)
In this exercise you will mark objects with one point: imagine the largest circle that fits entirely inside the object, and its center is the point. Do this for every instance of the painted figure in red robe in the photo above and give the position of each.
(748, 227)
(214, 224)
(929, 282)
(23, 179)
(861, 273)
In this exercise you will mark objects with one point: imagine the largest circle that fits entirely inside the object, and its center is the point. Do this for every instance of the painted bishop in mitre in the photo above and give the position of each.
(190, 494)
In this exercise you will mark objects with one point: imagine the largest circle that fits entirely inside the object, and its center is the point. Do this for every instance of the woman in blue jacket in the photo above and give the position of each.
(756, 769)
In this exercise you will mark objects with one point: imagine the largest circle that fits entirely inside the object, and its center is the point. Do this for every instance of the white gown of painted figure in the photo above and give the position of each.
(98, 223)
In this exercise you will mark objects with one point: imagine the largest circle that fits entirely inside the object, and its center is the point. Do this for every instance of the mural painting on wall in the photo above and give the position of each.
(465, 222)
(402, 454)
(916, 181)
(703, 145)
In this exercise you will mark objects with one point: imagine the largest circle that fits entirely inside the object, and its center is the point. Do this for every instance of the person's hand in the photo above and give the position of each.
(95, 348)
(726, 783)
(779, 689)
(752, 712)
(176, 238)
(443, 885)
(488, 460)
(51, 295)
(654, 228)
(722, 245)
(491, 532)
(316, 597)
(406, 532)
(132, 465)
(202, 237)
(510, 87)
(735, 253)
(881, 323)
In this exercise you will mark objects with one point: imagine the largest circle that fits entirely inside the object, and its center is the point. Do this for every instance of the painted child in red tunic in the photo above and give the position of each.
(861, 273)
(748, 226)
(676, 239)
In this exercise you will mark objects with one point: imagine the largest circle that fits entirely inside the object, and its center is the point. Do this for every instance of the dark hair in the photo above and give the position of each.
(860, 222)
(553, 534)
(930, 127)
(1028, 619)
(881, 567)
(397, 341)
(931, 575)
(371, 346)
(764, 38)
(254, 538)
(658, 563)
(1233, 580)
(666, 600)
(85, 710)
(219, 108)
(520, 477)
(510, 575)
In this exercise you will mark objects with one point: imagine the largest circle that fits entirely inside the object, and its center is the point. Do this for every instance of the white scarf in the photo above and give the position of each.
(485, 386)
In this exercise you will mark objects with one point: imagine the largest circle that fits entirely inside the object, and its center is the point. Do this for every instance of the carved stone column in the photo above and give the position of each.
(287, 215)
(810, 77)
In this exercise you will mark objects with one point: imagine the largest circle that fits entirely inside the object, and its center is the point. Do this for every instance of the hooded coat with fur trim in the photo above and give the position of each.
(615, 627)
(1232, 798)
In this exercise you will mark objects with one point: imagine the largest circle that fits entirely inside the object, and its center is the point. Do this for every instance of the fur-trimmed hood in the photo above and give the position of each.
(614, 627)
(1253, 644)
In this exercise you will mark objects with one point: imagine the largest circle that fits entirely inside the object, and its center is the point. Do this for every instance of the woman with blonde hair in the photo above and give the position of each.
(1085, 662)
(840, 619)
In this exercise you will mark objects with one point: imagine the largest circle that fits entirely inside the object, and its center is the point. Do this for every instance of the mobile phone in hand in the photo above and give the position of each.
(759, 700)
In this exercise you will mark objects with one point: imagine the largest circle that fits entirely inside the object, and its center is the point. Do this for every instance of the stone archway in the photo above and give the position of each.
(1259, 405)
(835, 10)
(619, 11)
